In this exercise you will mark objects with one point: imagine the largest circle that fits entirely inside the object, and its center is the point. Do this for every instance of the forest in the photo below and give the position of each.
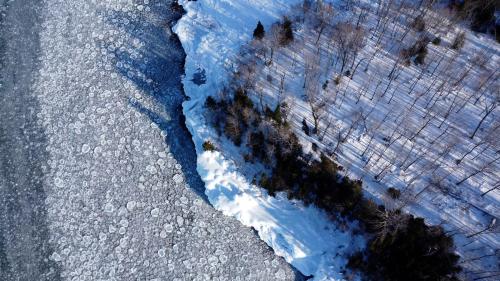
(383, 113)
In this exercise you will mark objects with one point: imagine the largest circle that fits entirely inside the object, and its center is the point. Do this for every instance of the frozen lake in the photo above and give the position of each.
(97, 173)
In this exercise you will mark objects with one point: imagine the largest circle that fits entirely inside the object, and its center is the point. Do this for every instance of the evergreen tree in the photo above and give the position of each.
(259, 31)
(286, 32)
(416, 252)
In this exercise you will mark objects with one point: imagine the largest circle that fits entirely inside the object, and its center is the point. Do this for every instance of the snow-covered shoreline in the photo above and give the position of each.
(211, 32)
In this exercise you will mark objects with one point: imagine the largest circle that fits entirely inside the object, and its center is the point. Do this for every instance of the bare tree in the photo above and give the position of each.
(315, 98)
(480, 170)
(273, 41)
(246, 73)
(349, 40)
(325, 14)
(489, 108)
(491, 225)
(490, 138)
(389, 222)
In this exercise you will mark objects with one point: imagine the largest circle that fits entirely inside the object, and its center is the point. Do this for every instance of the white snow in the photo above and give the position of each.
(211, 32)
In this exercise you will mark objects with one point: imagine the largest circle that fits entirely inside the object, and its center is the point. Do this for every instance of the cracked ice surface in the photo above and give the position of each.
(118, 202)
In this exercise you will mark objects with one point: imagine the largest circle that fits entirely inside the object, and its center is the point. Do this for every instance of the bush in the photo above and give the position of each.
(314, 147)
(276, 115)
(418, 24)
(286, 36)
(337, 80)
(210, 103)
(325, 85)
(241, 99)
(257, 143)
(418, 50)
(436, 41)
(422, 53)
(265, 182)
(482, 15)
(322, 185)
(394, 193)
(237, 115)
(208, 146)
(459, 41)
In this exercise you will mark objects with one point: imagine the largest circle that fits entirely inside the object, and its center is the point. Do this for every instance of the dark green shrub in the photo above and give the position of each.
(480, 13)
(208, 146)
(325, 85)
(257, 143)
(323, 186)
(418, 50)
(210, 103)
(274, 184)
(421, 54)
(249, 116)
(459, 41)
(276, 115)
(248, 158)
(305, 127)
(241, 99)
(394, 193)
(436, 41)
(265, 182)
(314, 147)
(337, 80)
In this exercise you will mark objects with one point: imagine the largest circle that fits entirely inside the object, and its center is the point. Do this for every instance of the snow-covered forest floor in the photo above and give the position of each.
(393, 123)
(423, 120)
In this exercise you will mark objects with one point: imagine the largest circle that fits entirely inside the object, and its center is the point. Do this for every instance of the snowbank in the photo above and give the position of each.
(211, 32)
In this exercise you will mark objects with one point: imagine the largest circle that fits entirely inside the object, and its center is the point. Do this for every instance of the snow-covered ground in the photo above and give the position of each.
(212, 33)
(407, 132)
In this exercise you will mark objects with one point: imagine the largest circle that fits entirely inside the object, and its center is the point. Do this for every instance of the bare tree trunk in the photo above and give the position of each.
(468, 152)
(355, 68)
(421, 128)
(490, 226)
(488, 112)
